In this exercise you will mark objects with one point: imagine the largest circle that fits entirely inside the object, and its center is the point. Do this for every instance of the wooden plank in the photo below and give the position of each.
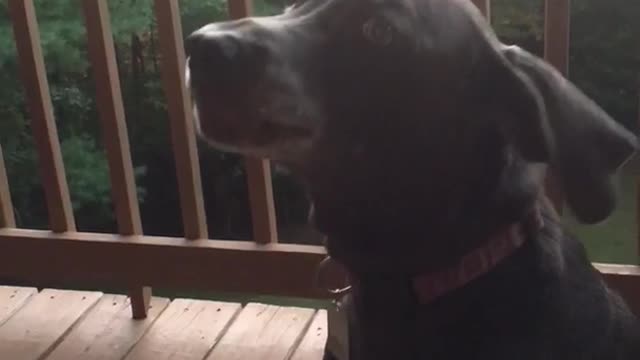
(239, 8)
(201, 264)
(557, 20)
(112, 117)
(637, 176)
(285, 269)
(27, 336)
(626, 280)
(186, 330)
(7, 217)
(313, 343)
(271, 331)
(618, 269)
(140, 297)
(107, 331)
(556, 52)
(34, 77)
(114, 131)
(484, 6)
(263, 213)
(183, 134)
(12, 299)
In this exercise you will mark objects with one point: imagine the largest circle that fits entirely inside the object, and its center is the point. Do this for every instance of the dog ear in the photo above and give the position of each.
(552, 121)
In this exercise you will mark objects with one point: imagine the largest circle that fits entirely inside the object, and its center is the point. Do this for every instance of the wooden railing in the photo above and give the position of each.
(134, 260)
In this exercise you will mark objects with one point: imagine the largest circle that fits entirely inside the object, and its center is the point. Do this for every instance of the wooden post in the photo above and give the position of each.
(114, 132)
(557, 14)
(485, 7)
(638, 190)
(7, 217)
(34, 77)
(183, 134)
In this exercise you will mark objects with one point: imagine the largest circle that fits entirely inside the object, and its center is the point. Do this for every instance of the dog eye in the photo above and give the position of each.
(378, 31)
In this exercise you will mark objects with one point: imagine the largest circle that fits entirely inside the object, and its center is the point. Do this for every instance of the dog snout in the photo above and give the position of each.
(225, 55)
(212, 49)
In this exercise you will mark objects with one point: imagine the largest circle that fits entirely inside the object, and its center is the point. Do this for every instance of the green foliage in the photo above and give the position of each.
(197, 13)
(24, 180)
(87, 173)
(604, 54)
(518, 20)
(63, 42)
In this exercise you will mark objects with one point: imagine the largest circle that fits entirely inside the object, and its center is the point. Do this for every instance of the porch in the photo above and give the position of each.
(68, 324)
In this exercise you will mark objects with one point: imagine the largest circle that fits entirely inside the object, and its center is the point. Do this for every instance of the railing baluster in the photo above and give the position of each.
(557, 19)
(114, 131)
(7, 218)
(181, 117)
(239, 9)
(557, 14)
(263, 214)
(484, 6)
(638, 190)
(32, 69)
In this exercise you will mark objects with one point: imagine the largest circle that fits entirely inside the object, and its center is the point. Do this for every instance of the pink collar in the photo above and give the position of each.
(480, 261)
(473, 265)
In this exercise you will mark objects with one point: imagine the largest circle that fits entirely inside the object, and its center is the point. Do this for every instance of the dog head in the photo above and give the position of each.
(402, 115)
(276, 86)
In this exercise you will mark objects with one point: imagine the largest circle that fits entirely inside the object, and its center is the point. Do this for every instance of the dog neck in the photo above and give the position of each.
(425, 222)
(507, 240)
(429, 286)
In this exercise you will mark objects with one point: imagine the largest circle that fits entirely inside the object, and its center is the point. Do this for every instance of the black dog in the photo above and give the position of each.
(424, 142)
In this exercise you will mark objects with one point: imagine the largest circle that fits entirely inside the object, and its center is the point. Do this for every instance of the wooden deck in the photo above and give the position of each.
(66, 325)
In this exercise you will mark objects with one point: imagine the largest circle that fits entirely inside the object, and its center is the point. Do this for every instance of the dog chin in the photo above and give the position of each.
(240, 150)
(222, 146)
(285, 150)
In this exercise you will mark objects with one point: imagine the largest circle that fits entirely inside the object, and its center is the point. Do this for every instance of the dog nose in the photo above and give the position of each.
(212, 50)
(226, 54)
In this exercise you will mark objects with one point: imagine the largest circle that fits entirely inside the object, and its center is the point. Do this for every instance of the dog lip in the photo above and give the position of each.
(265, 131)
(265, 122)
(264, 119)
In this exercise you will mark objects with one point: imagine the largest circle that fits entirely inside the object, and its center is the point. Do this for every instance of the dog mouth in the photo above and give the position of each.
(257, 121)
(237, 131)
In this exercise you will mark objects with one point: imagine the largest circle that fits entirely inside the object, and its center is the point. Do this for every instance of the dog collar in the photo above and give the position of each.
(478, 262)
(473, 265)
